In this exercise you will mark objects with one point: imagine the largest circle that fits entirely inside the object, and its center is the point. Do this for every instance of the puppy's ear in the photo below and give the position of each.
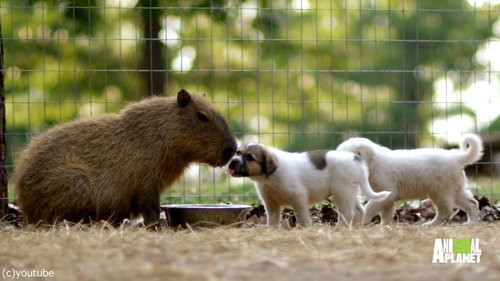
(358, 152)
(365, 152)
(270, 163)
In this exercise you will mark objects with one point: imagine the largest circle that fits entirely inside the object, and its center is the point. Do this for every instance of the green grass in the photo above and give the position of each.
(486, 186)
(205, 193)
(10, 192)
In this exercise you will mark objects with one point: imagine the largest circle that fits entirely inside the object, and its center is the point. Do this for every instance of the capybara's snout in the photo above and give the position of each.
(228, 152)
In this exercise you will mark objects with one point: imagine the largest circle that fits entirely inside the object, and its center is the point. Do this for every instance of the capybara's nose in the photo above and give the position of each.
(227, 154)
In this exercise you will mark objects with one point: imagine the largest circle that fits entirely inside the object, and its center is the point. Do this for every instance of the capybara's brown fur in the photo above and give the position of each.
(115, 166)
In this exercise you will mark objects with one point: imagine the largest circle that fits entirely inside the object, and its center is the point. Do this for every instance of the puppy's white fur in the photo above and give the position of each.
(419, 173)
(298, 183)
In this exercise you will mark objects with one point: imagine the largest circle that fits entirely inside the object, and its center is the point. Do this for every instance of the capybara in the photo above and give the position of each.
(116, 166)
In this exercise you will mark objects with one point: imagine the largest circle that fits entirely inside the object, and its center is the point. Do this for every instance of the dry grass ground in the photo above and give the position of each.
(398, 252)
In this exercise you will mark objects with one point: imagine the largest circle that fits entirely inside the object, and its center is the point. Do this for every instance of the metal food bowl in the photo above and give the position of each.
(205, 215)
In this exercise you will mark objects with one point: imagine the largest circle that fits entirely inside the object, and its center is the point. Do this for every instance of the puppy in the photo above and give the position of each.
(301, 179)
(436, 174)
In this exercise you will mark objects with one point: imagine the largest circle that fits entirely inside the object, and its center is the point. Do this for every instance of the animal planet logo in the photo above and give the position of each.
(457, 250)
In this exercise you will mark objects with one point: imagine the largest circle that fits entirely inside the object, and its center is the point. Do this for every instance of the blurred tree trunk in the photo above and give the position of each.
(154, 65)
(4, 201)
(409, 91)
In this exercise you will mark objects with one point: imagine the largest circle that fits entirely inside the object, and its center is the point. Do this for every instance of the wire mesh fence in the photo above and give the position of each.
(295, 74)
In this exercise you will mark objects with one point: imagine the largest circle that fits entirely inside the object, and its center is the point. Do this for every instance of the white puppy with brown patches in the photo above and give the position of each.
(417, 174)
(301, 179)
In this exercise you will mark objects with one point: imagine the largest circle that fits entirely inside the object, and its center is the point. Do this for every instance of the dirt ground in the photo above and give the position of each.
(321, 252)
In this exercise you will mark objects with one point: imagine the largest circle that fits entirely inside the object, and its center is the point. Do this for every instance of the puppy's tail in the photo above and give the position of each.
(471, 149)
(370, 194)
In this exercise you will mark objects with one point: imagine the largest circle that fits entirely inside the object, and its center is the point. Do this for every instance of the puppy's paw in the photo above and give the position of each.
(273, 226)
(431, 224)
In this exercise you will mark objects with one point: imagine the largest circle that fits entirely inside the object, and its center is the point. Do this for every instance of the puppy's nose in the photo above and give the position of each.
(235, 167)
(234, 163)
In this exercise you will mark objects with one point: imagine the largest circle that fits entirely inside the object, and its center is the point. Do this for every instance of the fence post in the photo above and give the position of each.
(4, 199)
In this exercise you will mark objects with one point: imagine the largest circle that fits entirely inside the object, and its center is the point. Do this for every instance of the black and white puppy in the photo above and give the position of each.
(301, 179)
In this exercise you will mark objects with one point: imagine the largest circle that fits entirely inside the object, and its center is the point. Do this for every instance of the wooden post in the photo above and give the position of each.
(4, 199)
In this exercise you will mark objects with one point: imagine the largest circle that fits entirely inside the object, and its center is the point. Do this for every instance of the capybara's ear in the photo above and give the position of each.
(270, 163)
(204, 95)
(183, 98)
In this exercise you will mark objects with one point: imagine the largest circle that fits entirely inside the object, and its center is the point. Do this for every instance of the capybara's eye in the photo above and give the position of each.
(202, 117)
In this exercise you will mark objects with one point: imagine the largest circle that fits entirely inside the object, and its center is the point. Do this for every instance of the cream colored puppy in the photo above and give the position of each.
(417, 174)
(301, 179)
